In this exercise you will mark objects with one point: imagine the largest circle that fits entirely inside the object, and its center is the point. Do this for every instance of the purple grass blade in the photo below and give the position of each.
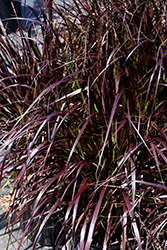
(159, 76)
(83, 231)
(134, 224)
(151, 184)
(162, 132)
(159, 216)
(54, 114)
(156, 160)
(75, 210)
(109, 126)
(132, 160)
(76, 92)
(126, 156)
(117, 82)
(133, 177)
(129, 55)
(107, 66)
(142, 139)
(82, 189)
(160, 153)
(125, 220)
(108, 229)
(78, 137)
(30, 20)
(94, 218)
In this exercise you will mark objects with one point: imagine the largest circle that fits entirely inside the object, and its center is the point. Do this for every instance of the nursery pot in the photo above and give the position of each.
(7, 10)
(50, 231)
(100, 247)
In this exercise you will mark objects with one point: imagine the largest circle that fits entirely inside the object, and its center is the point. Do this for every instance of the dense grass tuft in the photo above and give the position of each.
(83, 121)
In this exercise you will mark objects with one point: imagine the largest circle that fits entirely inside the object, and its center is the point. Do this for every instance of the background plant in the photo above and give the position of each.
(83, 121)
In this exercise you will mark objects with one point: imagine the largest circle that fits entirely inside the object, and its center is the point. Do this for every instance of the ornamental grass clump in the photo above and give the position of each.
(84, 125)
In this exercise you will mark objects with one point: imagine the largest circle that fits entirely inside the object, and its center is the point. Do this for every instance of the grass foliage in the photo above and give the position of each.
(83, 121)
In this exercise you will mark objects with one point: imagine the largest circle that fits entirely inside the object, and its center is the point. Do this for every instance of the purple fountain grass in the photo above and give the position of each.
(83, 123)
